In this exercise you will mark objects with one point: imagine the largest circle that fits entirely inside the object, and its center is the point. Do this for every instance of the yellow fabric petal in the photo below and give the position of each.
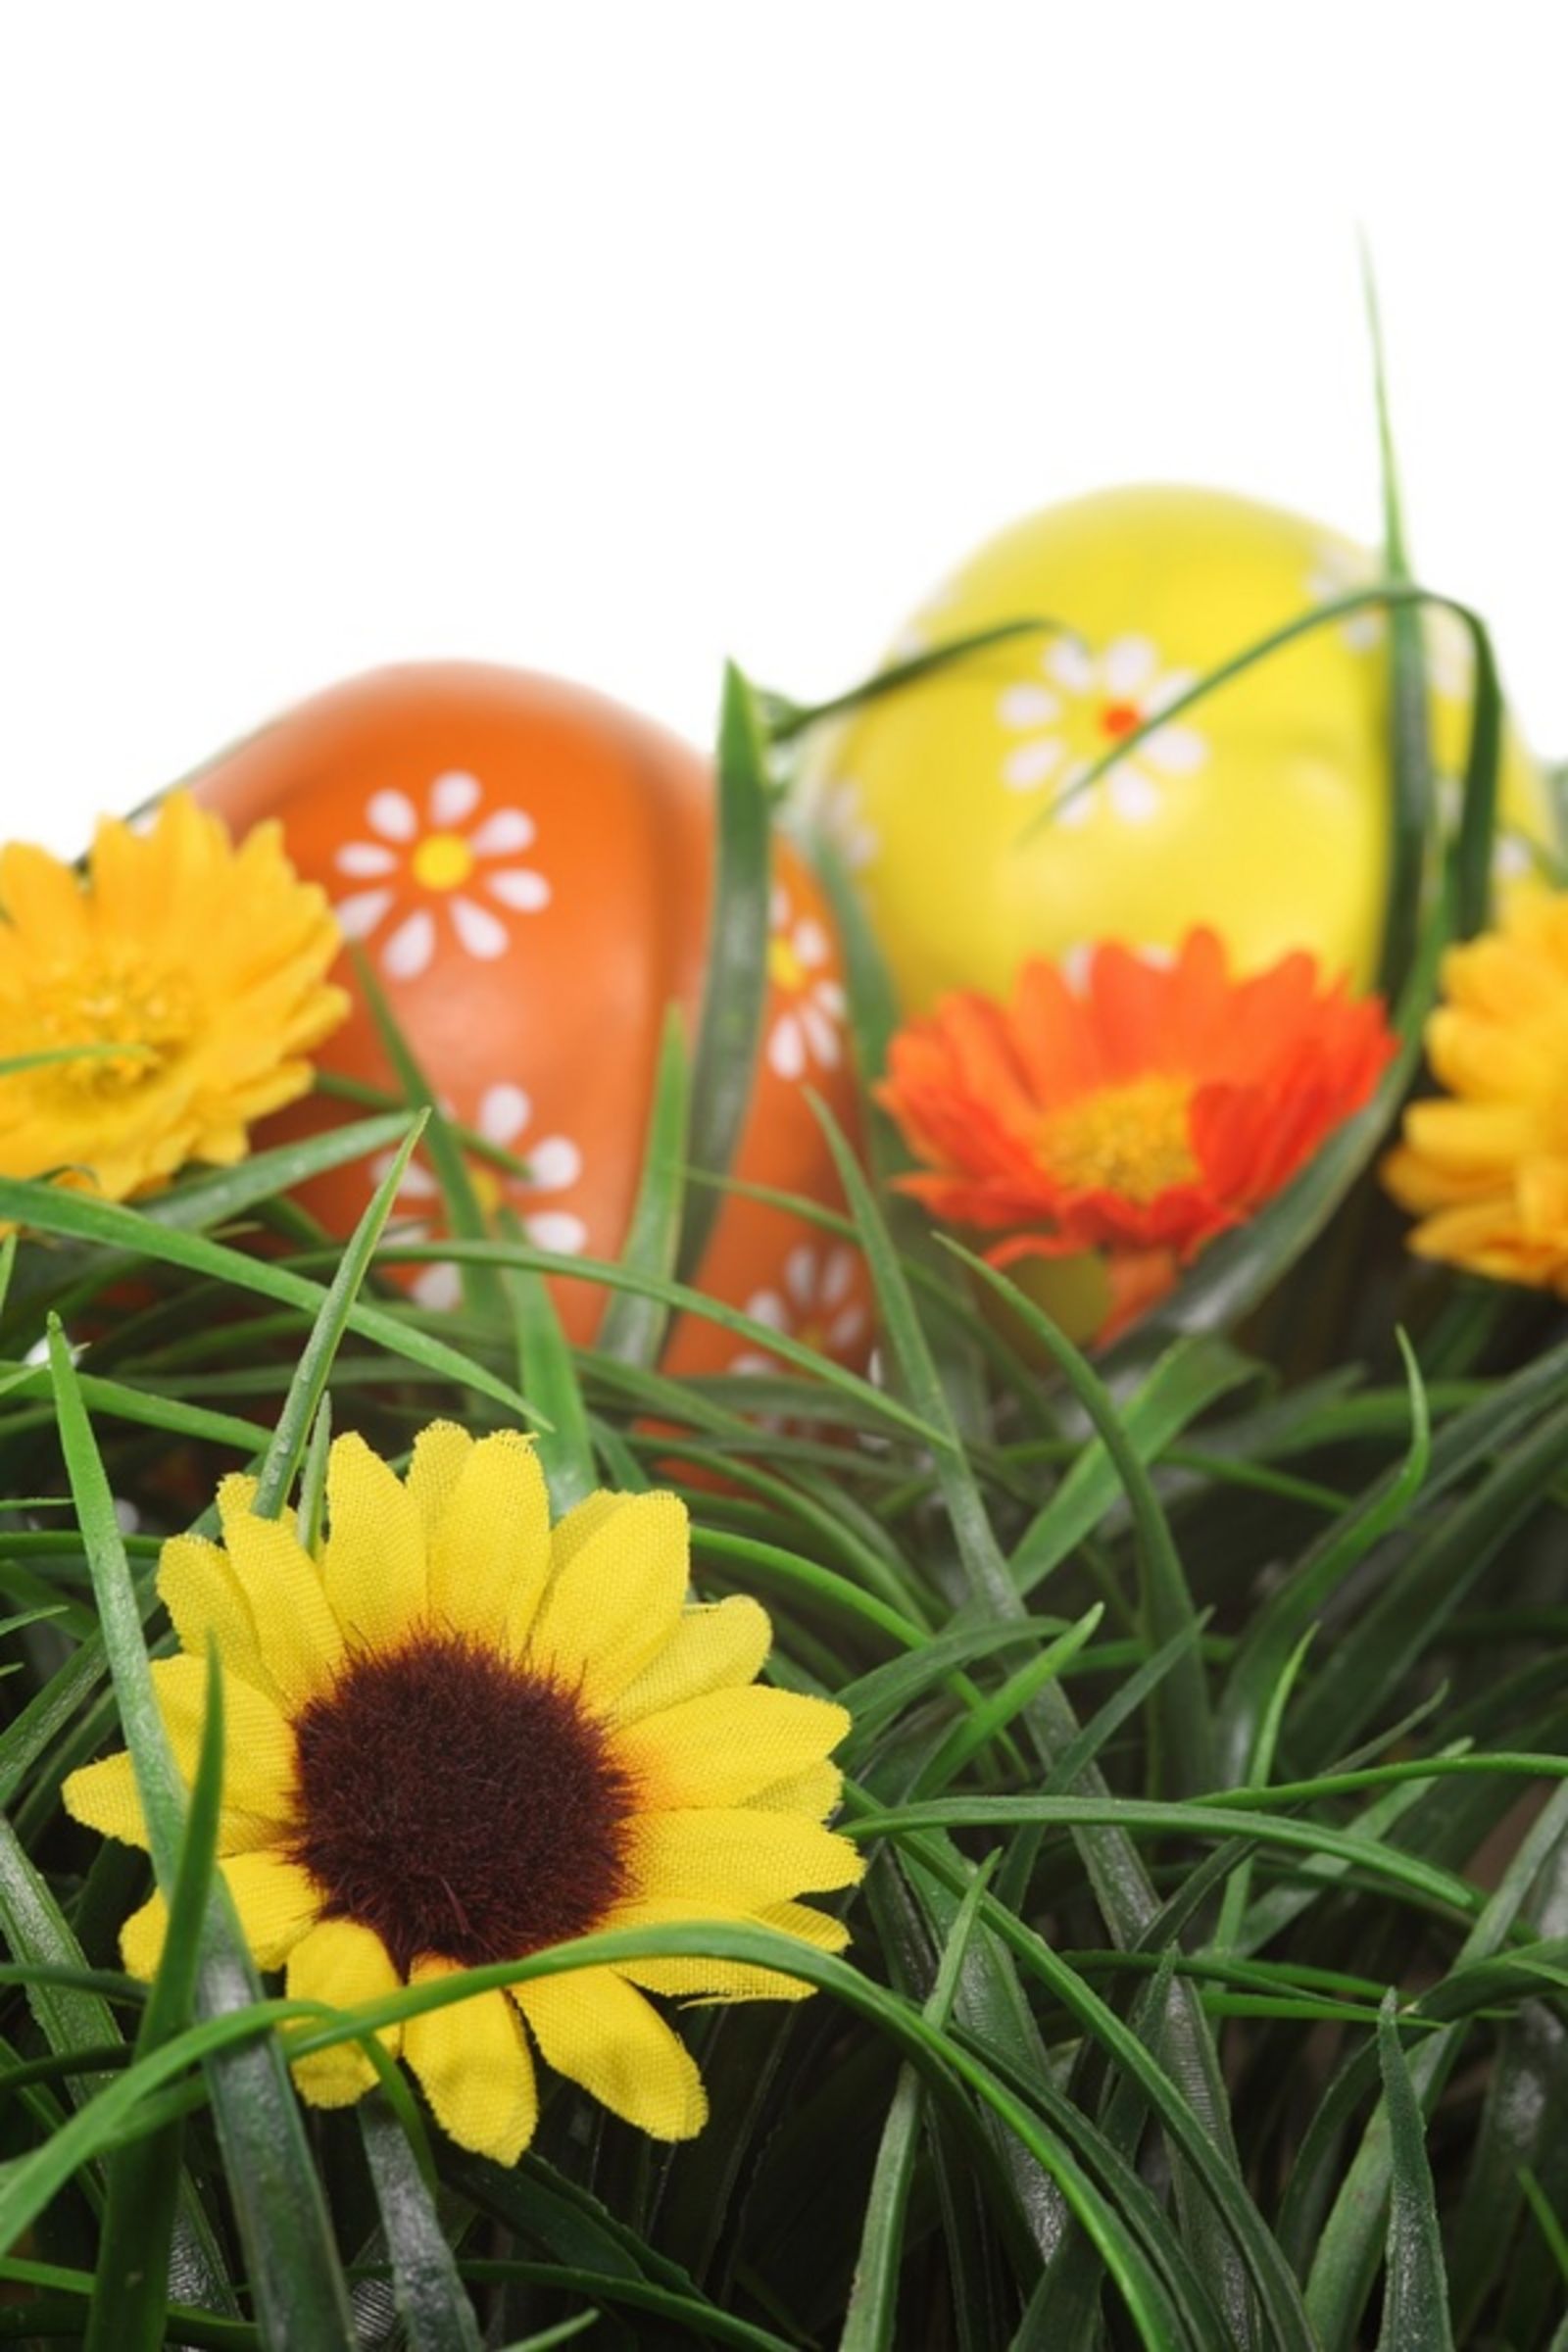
(721, 1748)
(815, 1792)
(206, 1604)
(618, 1601)
(490, 1546)
(735, 1856)
(258, 1744)
(475, 2069)
(439, 1454)
(43, 900)
(373, 1567)
(343, 1964)
(103, 1798)
(300, 1638)
(714, 1648)
(584, 1519)
(697, 1979)
(277, 1902)
(597, 2029)
(141, 1938)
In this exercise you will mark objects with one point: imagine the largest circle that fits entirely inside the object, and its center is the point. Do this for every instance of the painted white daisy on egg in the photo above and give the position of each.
(455, 861)
(1078, 706)
(1336, 571)
(816, 1300)
(838, 813)
(554, 1164)
(809, 1003)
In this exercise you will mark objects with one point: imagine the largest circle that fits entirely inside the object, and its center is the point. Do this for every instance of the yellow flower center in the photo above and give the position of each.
(443, 861)
(784, 964)
(153, 1012)
(1133, 1140)
(486, 1185)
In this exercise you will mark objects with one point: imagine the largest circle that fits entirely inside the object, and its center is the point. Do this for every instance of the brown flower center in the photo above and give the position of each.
(459, 1806)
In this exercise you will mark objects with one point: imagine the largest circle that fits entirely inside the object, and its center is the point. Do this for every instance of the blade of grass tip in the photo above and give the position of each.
(548, 1370)
(787, 720)
(872, 2310)
(130, 2292)
(8, 1261)
(1192, 1375)
(634, 1324)
(308, 1383)
(1112, 1859)
(1411, 796)
(1303, 1594)
(481, 1289)
(313, 1478)
(1232, 1909)
(301, 2295)
(736, 983)
(432, 2301)
(1345, 2257)
(1186, 1752)
(563, 2332)
(973, 1732)
(1416, 2296)
(113, 1225)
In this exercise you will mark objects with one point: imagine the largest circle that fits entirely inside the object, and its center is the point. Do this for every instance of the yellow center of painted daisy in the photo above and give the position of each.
(458, 1805)
(1133, 1140)
(442, 861)
(149, 1012)
(784, 964)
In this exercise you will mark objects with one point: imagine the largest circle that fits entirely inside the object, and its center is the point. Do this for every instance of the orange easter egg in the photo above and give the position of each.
(528, 868)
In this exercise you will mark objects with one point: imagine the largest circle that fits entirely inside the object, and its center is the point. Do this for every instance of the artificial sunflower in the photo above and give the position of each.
(461, 1736)
(1138, 1113)
(1485, 1170)
(203, 963)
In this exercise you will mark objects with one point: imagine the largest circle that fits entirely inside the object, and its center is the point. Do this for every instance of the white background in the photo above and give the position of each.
(611, 339)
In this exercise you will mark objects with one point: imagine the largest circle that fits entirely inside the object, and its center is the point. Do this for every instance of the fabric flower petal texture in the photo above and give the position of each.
(463, 1735)
(1139, 1107)
(193, 973)
(1485, 1167)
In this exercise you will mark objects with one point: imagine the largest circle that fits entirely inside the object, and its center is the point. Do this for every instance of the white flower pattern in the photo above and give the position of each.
(1084, 704)
(1337, 569)
(554, 1164)
(814, 1303)
(838, 813)
(810, 1024)
(457, 860)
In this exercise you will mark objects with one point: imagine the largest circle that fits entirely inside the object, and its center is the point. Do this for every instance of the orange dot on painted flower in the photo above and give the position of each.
(1120, 719)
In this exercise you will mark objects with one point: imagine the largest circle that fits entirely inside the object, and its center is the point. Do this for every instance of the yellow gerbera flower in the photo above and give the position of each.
(205, 961)
(1487, 1170)
(461, 1736)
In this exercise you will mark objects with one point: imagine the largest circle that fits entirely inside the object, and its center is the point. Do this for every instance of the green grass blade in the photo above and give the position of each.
(735, 988)
(432, 2302)
(548, 1370)
(872, 2311)
(295, 2274)
(635, 1323)
(131, 2282)
(1411, 804)
(1181, 1703)
(117, 1227)
(1184, 1382)
(315, 1368)
(1415, 2301)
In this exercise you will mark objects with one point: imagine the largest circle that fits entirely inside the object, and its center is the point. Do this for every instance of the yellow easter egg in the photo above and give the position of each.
(959, 802)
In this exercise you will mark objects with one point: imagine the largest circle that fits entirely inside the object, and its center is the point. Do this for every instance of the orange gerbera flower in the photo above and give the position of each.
(1142, 1114)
